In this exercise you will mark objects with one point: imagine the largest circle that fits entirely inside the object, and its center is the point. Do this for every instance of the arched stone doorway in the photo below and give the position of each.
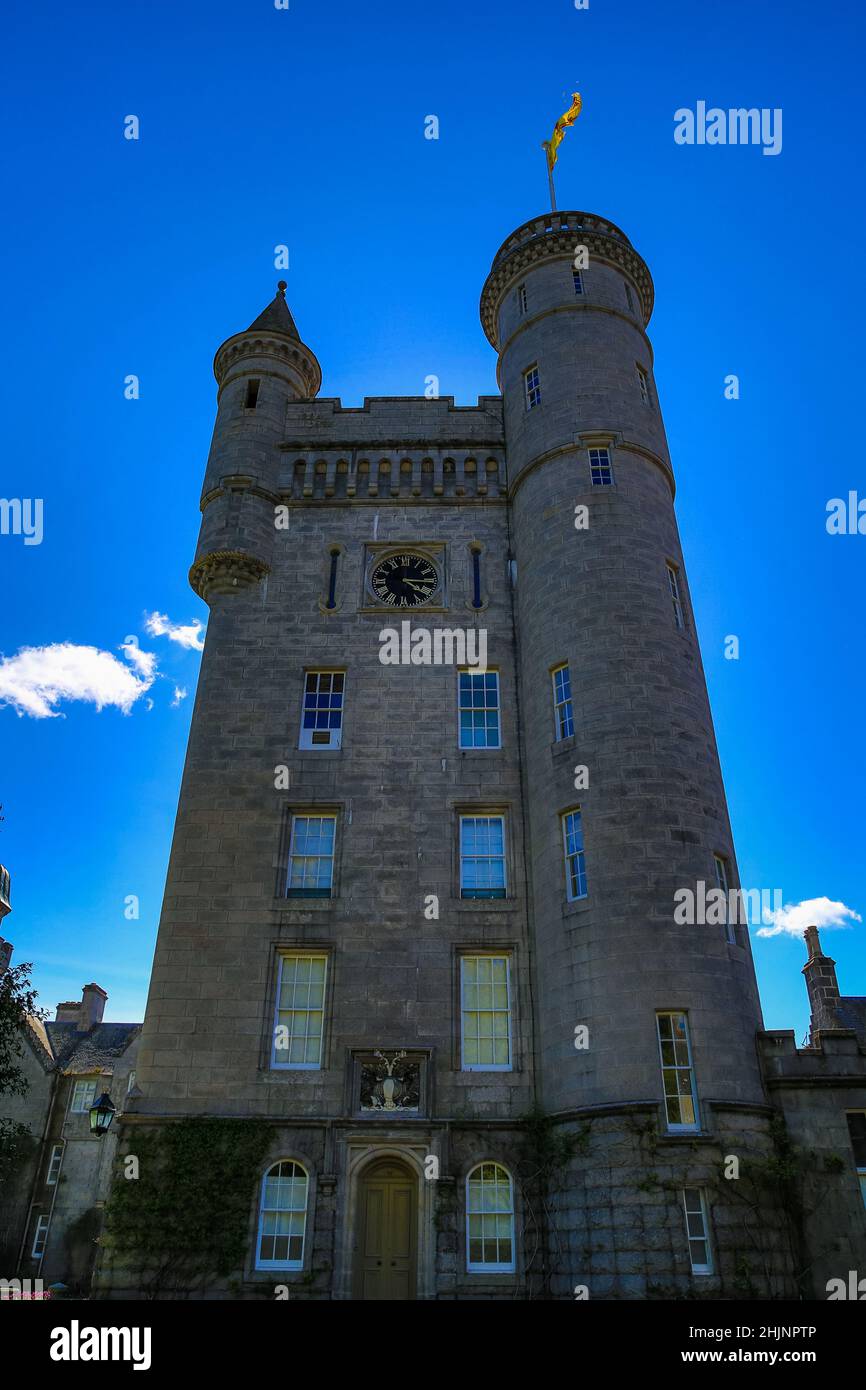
(386, 1255)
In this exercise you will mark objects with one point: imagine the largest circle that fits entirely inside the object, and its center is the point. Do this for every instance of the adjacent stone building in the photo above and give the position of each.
(52, 1202)
(451, 760)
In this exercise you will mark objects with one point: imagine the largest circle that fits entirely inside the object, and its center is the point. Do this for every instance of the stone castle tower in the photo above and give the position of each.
(411, 901)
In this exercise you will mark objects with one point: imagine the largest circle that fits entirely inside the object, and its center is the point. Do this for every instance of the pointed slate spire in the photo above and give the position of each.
(276, 318)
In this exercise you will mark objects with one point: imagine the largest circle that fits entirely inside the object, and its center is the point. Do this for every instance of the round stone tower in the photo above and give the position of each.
(258, 372)
(601, 589)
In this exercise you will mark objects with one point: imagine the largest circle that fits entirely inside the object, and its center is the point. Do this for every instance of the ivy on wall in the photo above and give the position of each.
(184, 1221)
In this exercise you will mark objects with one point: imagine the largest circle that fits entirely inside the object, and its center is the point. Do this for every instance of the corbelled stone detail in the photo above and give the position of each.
(226, 571)
(557, 235)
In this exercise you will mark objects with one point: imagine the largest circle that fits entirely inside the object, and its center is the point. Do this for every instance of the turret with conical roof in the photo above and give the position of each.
(258, 372)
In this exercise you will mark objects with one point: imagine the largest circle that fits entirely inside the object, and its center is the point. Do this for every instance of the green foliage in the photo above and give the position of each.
(548, 1147)
(185, 1219)
(17, 1001)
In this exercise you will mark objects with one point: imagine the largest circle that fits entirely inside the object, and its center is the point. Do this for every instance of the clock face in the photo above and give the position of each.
(404, 581)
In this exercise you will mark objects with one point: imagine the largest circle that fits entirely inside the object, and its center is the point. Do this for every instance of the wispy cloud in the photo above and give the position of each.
(190, 635)
(144, 662)
(794, 918)
(180, 693)
(37, 679)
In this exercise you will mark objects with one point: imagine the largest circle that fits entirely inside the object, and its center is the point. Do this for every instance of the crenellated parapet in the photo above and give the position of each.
(837, 1058)
(556, 235)
(395, 474)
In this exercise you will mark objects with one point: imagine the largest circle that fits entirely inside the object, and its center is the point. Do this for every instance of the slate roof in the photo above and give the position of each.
(851, 1013)
(276, 318)
(96, 1050)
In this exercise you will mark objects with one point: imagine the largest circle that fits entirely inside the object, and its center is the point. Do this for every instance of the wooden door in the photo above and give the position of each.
(386, 1243)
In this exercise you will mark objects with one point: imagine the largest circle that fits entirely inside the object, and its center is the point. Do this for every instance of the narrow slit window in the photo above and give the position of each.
(722, 882)
(522, 299)
(532, 387)
(628, 296)
(54, 1165)
(476, 579)
(332, 580)
(40, 1237)
(563, 708)
(575, 861)
(577, 276)
(643, 383)
(676, 599)
(252, 395)
(697, 1230)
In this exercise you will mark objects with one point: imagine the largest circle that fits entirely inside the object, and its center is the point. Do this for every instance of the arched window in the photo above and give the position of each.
(282, 1217)
(489, 1220)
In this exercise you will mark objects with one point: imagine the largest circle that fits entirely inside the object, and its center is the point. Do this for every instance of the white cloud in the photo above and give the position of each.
(794, 918)
(37, 679)
(144, 662)
(180, 693)
(190, 635)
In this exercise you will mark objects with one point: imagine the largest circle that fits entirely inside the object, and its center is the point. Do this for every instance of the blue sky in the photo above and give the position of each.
(305, 127)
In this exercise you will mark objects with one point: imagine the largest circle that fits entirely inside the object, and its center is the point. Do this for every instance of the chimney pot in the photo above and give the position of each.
(92, 1007)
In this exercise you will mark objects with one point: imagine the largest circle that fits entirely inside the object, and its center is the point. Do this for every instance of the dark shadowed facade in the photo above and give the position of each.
(451, 759)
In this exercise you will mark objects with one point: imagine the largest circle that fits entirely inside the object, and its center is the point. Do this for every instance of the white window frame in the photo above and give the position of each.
(579, 287)
(485, 1066)
(723, 882)
(698, 1208)
(678, 1067)
(601, 463)
(522, 299)
(579, 855)
(676, 595)
(643, 383)
(301, 891)
(481, 896)
(485, 709)
(490, 1267)
(55, 1163)
(311, 739)
(79, 1089)
(532, 387)
(40, 1236)
(561, 718)
(282, 1264)
(311, 956)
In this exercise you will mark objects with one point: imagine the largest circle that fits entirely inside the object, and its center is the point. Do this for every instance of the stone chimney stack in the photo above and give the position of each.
(5, 955)
(820, 973)
(68, 1012)
(92, 1007)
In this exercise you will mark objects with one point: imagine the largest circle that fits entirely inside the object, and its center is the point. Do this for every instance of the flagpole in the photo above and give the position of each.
(546, 147)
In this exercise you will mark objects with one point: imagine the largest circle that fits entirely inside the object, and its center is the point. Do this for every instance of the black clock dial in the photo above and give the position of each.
(404, 581)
